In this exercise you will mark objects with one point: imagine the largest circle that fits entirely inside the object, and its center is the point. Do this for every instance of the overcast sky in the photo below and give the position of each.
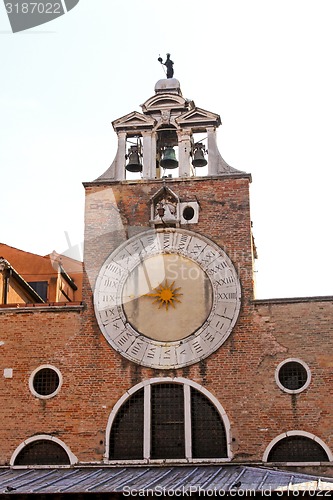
(264, 66)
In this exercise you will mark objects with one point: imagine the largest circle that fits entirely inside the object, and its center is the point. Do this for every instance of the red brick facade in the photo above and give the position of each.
(240, 374)
(98, 382)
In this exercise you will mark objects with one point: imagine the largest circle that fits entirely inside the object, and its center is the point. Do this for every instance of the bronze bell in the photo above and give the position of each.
(169, 159)
(199, 159)
(134, 163)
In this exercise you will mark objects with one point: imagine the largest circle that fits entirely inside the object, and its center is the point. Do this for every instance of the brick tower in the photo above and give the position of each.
(169, 258)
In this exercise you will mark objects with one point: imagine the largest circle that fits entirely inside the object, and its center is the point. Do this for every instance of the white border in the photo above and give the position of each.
(42, 437)
(146, 445)
(297, 433)
(292, 391)
(31, 382)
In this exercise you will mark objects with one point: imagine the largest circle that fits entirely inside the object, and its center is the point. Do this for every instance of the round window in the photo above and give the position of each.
(45, 382)
(293, 376)
(188, 213)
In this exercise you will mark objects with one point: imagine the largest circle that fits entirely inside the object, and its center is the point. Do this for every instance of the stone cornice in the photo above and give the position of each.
(43, 308)
(292, 300)
(232, 175)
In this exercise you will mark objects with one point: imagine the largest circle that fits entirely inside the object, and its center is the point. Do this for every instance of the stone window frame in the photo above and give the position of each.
(31, 381)
(293, 360)
(146, 384)
(43, 437)
(297, 433)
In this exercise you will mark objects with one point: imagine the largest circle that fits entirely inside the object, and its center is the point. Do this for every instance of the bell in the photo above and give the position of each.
(169, 159)
(199, 159)
(134, 164)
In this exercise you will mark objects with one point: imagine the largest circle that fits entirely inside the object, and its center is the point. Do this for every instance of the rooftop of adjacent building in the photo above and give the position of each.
(32, 278)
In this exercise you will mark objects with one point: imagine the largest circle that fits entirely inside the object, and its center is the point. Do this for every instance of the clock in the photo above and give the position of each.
(167, 298)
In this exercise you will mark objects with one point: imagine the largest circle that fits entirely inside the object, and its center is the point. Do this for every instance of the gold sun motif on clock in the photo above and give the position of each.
(165, 295)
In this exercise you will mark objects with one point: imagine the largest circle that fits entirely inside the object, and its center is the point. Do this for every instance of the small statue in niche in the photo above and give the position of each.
(165, 209)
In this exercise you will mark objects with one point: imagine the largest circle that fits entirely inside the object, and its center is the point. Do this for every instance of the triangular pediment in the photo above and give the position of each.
(164, 101)
(133, 120)
(198, 116)
(164, 192)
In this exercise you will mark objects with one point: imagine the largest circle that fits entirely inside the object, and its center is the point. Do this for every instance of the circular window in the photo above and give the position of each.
(188, 213)
(45, 381)
(293, 376)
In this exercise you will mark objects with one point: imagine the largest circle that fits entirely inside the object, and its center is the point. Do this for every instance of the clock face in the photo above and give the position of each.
(167, 298)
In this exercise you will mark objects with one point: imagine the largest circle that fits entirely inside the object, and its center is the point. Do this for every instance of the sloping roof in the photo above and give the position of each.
(33, 267)
(185, 478)
(4, 264)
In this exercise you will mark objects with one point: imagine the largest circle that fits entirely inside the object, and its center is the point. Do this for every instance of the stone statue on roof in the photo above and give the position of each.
(169, 65)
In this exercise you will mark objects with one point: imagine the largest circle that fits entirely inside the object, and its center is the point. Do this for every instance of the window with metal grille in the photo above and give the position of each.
(45, 381)
(292, 375)
(297, 449)
(208, 432)
(126, 438)
(43, 452)
(167, 421)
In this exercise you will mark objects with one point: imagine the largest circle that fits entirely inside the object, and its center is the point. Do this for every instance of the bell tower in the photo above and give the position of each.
(168, 244)
(171, 138)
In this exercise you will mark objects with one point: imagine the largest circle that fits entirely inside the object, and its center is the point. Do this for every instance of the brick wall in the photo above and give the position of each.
(240, 374)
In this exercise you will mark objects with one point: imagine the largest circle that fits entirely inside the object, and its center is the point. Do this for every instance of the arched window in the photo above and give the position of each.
(126, 439)
(42, 453)
(168, 419)
(297, 447)
(43, 450)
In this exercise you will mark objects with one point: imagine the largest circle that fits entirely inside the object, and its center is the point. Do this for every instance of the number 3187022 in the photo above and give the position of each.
(33, 8)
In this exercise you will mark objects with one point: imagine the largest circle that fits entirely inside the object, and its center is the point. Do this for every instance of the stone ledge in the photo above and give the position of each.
(293, 300)
(231, 175)
(47, 307)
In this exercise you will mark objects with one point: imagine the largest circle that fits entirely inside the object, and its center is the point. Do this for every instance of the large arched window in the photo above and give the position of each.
(297, 446)
(173, 419)
(43, 450)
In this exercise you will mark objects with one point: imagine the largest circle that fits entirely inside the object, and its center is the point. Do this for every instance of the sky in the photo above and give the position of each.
(264, 66)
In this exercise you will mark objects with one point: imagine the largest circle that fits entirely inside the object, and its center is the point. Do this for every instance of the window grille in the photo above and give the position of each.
(46, 381)
(42, 452)
(293, 375)
(167, 421)
(126, 438)
(297, 449)
(154, 423)
(208, 432)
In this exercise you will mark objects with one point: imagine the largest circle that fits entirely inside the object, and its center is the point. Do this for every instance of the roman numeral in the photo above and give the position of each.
(183, 241)
(123, 339)
(226, 296)
(108, 282)
(209, 336)
(107, 315)
(219, 325)
(225, 281)
(113, 268)
(109, 298)
(136, 348)
(197, 347)
(221, 265)
(151, 352)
